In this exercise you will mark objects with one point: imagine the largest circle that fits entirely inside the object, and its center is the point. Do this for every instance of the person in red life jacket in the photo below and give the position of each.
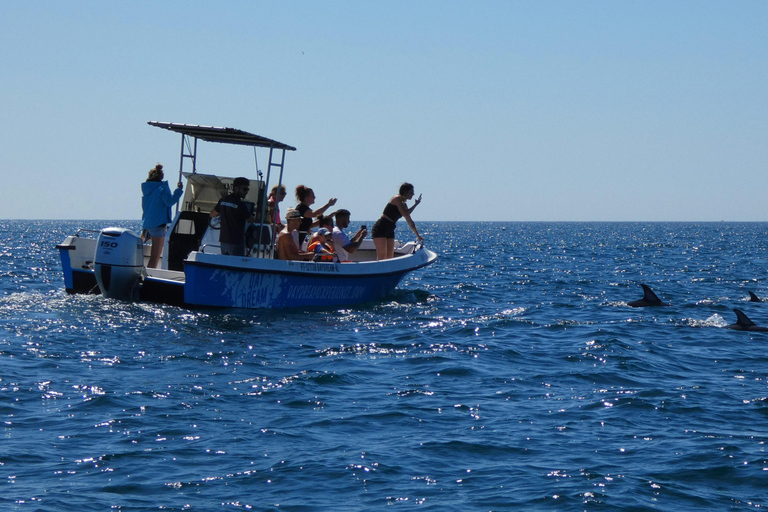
(322, 248)
(323, 222)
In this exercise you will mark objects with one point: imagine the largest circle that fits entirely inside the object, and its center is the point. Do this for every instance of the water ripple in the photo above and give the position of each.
(511, 375)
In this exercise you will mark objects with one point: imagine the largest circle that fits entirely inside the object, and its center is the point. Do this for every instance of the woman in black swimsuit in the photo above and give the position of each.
(383, 233)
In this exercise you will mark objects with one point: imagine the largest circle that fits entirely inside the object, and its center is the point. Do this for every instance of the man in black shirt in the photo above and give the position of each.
(234, 214)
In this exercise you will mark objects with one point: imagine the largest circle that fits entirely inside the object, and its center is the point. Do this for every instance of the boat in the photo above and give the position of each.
(193, 272)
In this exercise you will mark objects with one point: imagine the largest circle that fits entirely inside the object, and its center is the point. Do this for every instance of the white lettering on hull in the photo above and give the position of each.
(323, 268)
(319, 292)
(252, 290)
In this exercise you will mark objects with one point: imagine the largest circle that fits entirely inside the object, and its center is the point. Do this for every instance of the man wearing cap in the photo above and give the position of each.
(287, 245)
(234, 214)
(341, 242)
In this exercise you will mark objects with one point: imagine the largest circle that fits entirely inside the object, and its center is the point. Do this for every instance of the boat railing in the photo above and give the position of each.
(83, 230)
(264, 252)
(409, 248)
(202, 247)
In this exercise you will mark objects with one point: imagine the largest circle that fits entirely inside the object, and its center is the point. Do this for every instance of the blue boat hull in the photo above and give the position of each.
(230, 281)
(215, 280)
(228, 287)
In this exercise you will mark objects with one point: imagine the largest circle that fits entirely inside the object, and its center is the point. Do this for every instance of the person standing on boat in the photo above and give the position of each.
(156, 202)
(341, 242)
(306, 197)
(234, 214)
(277, 194)
(383, 233)
(287, 243)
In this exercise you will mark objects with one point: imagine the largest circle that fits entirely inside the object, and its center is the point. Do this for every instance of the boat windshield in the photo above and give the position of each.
(203, 191)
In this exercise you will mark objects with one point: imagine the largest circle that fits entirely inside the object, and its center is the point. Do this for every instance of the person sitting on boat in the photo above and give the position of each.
(288, 241)
(383, 233)
(322, 248)
(156, 205)
(322, 222)
(277, 194)
(341, 242)
(306, 197)
(234, 214)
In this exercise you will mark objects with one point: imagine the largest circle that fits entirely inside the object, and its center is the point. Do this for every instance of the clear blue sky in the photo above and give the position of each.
(494, 110)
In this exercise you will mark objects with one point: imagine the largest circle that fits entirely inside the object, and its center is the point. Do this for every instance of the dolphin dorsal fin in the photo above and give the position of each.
(753, 297)
(741, 318)
(649, 296)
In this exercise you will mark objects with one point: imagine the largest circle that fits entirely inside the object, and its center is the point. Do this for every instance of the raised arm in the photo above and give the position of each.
(406, 213)
(168, 198)
(321, 210)
(415, 204)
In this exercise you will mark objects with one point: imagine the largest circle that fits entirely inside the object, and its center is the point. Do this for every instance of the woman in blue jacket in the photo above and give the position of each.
(156, 205)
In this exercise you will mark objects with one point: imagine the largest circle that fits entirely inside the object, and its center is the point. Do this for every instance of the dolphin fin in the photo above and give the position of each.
(649, 296)
(754, 298)
(742, 320)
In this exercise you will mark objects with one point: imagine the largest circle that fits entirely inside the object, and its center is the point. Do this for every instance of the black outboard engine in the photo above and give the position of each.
(118, 263)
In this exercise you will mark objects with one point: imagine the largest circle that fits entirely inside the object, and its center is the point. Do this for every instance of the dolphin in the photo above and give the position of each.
(649, 299)
(754, 298)
(744, 324)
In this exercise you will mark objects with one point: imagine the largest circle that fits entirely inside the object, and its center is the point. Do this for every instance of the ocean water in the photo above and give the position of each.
(509, 375)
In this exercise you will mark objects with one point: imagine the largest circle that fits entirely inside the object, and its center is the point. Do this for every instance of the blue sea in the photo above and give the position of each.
(509, 375)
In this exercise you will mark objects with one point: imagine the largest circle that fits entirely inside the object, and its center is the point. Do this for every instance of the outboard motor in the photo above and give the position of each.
(118, 262)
